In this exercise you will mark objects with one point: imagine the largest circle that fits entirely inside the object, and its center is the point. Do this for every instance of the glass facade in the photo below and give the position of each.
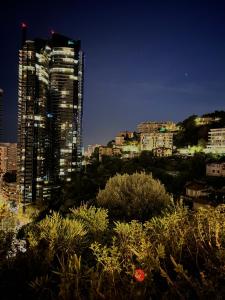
(49, 114)
(1, 105)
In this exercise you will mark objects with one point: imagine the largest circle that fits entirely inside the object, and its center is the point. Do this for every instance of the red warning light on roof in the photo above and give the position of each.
(24, 25)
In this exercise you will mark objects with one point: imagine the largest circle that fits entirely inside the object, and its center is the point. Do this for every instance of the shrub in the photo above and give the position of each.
(178, 255)
(95, 220)
(136, 196)
(8, 223)
(55, 235)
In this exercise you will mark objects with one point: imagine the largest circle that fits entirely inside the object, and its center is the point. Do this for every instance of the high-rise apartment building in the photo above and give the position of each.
(3, 159)
(49, 114)
(1, 106)
(8, 157)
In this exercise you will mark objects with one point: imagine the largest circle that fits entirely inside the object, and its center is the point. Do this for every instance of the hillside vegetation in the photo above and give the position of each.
(193, 134)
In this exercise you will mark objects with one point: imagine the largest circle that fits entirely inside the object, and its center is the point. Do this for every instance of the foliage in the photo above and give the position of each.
(193, 134)
(9, 245)
(4, 211)
(134, 196)
(6, 239)
(111, 143)
(172, 171)
(95, 220)
(9, 177)
(54, 249)
(180, 254)
(81, 190)
(54, 234)
(85, 184)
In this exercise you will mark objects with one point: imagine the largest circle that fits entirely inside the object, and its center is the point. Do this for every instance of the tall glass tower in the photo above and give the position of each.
(50, 105)
(1, 108)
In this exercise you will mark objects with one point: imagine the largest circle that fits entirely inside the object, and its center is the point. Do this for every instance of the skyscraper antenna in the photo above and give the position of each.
(24, 32)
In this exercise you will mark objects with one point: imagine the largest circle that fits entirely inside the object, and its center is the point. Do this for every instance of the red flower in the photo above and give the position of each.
(139, 275)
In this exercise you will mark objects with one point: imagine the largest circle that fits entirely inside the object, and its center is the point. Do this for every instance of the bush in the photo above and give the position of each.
(179, 255)
(95, 220)
(54, 234)
(8, 224)
(136, 196)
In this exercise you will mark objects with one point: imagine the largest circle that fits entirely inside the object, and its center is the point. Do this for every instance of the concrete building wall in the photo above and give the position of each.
(8, 157)
(216, 141)
(215, 169)
(147, 127)
(3, 159)
(157, 140)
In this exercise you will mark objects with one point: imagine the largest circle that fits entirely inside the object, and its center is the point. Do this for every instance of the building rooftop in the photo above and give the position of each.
(196, 185)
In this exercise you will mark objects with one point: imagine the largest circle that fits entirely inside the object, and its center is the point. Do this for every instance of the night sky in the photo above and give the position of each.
(145, 60)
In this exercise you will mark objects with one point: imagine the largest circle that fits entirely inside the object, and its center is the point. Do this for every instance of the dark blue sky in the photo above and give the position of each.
(145, 60)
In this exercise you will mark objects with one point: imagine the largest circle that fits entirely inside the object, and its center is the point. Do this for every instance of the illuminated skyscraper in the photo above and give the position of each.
(49, 114)
(66, 97)
(1, 124)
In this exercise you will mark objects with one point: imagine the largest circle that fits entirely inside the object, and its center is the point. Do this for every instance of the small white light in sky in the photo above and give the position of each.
(186, 74)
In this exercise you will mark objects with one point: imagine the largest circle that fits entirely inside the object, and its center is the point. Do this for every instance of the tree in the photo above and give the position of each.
(95, 156)
(111, 143)
(136, 196)
(9, 177)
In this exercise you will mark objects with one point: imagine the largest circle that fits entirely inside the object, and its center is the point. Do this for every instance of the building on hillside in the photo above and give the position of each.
(123, 136)
(108, 151)
(161, 143)
(200, 121)
(149, 127)
(90, 150)
(197, 189)
(189, 151)
(215, 169)
(116, 151)
(130, 147)
(8, 157)
(216, 142)
(105, 151)
(199, 195)
(130, 150)
(129, 155)
(162, 152)
(50, 106)
(119, 140)
(126, 134)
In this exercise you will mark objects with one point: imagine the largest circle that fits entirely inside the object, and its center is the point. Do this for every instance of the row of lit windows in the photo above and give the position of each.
(35, 117)
(62, 70)
(63, 105)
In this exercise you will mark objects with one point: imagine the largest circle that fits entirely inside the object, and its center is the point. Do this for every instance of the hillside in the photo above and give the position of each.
(194, 129)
